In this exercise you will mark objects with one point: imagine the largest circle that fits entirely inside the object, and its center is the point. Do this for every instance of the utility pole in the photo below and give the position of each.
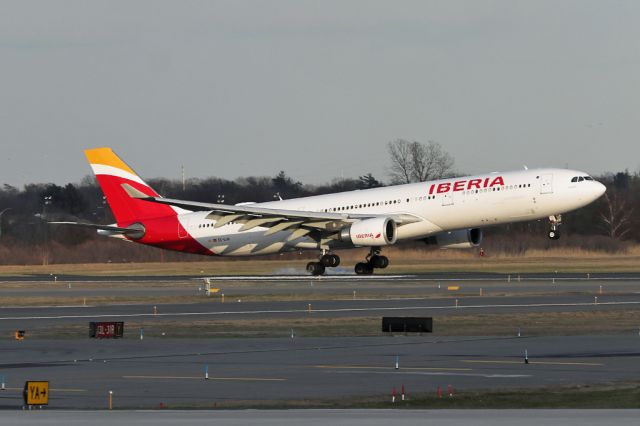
(48, 199)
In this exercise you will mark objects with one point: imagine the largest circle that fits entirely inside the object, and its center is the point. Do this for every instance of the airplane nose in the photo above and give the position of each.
(599, 189)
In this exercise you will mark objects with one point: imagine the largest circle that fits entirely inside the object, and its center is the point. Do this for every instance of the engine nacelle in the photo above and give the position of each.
(379, 231)
(464, 238)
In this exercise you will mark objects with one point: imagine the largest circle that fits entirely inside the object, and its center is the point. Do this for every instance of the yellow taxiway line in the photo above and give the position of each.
(374, 367)
(478, 361)
(245, 379)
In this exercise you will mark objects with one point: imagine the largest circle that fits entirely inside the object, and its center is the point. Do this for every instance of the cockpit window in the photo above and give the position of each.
(581, 178)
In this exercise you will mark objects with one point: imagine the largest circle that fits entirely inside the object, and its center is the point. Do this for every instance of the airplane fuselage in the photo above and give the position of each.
(443, 205)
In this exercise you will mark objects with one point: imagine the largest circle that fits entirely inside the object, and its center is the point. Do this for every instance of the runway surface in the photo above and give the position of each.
(172, 372)
(10, 318)
(329, 276)
(333, 417)
(425, 284)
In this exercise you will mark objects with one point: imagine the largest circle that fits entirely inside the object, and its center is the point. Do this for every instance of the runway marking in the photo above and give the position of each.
(590, 364)
(498, 279)
(305, 311)
(440, 373)
(373, 367)
(244, 379)
(305, 277)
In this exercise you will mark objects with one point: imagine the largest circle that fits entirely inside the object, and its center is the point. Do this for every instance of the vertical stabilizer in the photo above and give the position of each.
(111, 172)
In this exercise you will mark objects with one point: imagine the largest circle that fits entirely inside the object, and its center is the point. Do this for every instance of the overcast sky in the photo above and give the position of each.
(316, 88)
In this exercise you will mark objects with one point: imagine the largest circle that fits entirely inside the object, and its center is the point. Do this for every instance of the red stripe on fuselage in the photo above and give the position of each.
(165, 232)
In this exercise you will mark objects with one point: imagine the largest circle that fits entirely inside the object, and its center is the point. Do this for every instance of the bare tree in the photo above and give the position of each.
(401, 164)
(616, 215)
(418, 162)
(430, 161)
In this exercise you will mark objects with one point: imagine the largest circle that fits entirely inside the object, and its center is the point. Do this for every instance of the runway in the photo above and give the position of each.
(169, 368)
(43, 317)
(326, 416)
(380, 286)
(144, 374)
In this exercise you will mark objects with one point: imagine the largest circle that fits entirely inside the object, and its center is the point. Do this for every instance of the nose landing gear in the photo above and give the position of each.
(373, 260)
(554, 223)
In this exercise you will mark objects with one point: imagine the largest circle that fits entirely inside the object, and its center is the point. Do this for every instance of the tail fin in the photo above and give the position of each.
(111, 173)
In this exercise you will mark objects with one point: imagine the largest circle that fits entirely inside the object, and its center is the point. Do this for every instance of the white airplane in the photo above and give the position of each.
(449, 212)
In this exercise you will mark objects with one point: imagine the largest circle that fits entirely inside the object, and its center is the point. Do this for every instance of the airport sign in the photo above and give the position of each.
(36, 393)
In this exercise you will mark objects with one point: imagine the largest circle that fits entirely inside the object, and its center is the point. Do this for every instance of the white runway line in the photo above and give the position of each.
(498, 280)
(306, 312)
(306, 277)
(440, 373)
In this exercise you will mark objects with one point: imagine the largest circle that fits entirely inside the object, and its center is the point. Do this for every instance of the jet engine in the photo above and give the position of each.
(379, 231)
(463, 238)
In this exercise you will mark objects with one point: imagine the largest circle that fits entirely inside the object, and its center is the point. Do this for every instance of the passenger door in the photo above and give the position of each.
(546, 183)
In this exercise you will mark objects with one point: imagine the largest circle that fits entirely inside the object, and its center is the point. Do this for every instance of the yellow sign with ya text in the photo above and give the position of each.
(36, 393)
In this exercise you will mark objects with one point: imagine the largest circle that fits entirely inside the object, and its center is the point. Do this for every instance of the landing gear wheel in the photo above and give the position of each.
(554, 223)
(363, 268)
(380, 262)
(315, 268)
(330, 260)
(554, 234)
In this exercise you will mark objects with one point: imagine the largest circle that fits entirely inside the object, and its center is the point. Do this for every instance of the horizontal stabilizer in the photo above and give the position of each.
(135, 231)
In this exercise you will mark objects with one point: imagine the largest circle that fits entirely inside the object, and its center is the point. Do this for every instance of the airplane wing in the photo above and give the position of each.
(302, 222)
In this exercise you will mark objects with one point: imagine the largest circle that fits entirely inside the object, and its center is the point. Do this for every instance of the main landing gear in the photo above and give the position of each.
(373, 260)
(554, 223)
(327, 260)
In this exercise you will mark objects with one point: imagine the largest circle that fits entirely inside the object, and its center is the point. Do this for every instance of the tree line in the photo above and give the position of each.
(611, 223)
